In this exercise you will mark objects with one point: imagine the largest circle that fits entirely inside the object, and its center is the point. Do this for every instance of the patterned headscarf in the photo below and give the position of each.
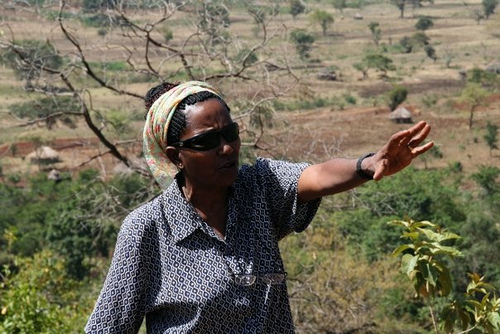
(156, 129)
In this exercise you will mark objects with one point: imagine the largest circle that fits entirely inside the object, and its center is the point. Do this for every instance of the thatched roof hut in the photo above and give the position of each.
(358, 16)
(401, 115)
(494, 67)
(43, 154)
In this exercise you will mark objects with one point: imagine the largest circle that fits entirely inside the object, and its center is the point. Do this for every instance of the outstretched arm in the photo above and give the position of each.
(338, 175)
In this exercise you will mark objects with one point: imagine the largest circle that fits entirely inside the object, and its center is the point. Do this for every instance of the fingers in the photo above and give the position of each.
(420, 136)
(421, 149)
(413, 136)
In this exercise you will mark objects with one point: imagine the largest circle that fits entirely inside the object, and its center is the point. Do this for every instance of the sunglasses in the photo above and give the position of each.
(211, 139)
(267, 278)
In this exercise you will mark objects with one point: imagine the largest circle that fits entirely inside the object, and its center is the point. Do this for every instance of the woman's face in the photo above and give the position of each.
(216, 167)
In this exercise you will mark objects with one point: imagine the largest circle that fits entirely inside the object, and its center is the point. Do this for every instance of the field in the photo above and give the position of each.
(338, 128)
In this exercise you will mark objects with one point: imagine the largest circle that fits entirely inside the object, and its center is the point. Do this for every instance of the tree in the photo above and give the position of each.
(424, 23)
(147, 53)
(376, 31)
(339, 5)
(481, 77)
(297, 7)
(401, 4)
(489, 7)
(374, 61)
(474, 96)
(407, 44)
(363, 68)
(420, 39)
(323, 18)
(48, 110)
(491, 136)
(30, 58)
(396, 96)
(379, 62)
(478, 15)
(94, 6)
(430, 52)
(416, 41)
(303, 42)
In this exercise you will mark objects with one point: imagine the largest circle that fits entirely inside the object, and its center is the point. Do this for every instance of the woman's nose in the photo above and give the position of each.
(227, 147)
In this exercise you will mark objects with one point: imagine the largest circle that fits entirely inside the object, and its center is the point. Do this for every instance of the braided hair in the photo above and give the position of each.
(178, 122)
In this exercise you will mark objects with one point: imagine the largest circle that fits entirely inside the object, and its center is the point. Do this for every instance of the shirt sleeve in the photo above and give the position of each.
(120, 307)
(279, 180)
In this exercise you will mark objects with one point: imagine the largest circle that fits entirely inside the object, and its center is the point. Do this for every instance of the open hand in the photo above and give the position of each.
(400, 150)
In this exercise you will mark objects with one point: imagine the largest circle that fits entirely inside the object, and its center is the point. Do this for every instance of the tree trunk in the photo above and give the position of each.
(471, 116)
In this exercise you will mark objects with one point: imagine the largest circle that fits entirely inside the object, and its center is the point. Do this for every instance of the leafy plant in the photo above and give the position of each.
(323, 18)
(476, 311)
(430, 52)
(29, 58)
(303, 42)
(48, 110)
(491, 136)
(396, 96)
(376, 31)
(474, 96)
(39, 298)
(296, 7)
(424, 23)
(489, 7)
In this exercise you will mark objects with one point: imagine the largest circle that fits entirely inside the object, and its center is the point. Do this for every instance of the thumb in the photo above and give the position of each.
(380, 170)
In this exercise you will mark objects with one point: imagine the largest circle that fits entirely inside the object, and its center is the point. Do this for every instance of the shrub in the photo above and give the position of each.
(303, 42)
(28, 57)
(396, 96)
(48, 110)
(424, 23)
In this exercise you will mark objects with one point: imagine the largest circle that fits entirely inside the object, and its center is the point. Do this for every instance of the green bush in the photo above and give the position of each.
(303, 42)
(424, 23)
(101, 20)
(49, 110)
(396, 96)
(39, 297)
(28, 57)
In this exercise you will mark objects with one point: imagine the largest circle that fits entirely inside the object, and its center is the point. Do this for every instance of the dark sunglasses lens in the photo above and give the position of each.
(205, 141)
(211, 139)
(231, 132)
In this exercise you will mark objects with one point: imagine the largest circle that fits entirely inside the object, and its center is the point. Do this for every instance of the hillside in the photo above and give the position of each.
(337, 129)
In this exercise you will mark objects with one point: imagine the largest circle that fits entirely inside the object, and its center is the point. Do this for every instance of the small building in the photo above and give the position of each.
(54, 175)
(43, 155)
(358, 16)
(494, 67)
(401, 115)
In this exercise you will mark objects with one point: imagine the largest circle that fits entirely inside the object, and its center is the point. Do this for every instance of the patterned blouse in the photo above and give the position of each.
(171, 267)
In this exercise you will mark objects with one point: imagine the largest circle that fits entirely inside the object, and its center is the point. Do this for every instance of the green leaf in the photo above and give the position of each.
(408, 263)
(494, 319)
(445, 281)
(449, 321)
(401, 249)
(432, 274)
(424, 223)
(431, 235)
(464, 318)
(445, 250)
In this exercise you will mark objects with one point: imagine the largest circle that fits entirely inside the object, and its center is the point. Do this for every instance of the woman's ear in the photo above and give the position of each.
(173, 155)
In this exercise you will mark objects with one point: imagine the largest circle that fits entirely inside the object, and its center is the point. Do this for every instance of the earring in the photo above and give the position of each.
(179, 166)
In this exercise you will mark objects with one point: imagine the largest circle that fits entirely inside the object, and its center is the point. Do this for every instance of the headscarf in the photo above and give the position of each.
(156, 129)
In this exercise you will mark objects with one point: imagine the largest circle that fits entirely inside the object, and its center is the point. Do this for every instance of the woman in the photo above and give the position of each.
(203, 256)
